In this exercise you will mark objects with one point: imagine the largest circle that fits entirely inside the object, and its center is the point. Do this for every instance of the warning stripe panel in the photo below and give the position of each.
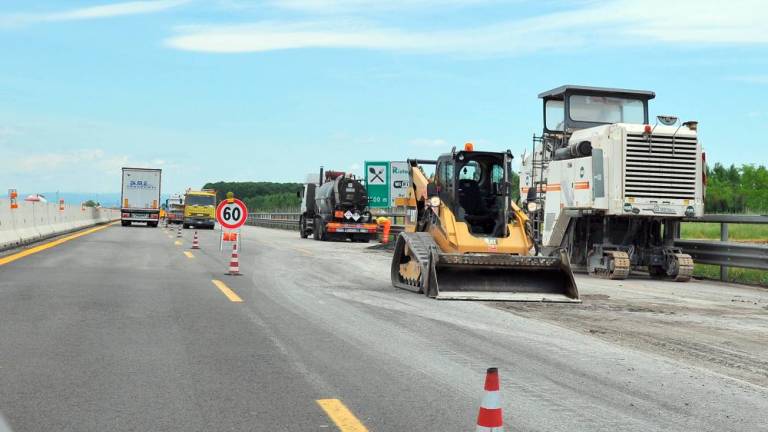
(581, 185)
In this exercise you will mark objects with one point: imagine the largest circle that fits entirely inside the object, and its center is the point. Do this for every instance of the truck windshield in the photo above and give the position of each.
(199, 200)
(603, 109)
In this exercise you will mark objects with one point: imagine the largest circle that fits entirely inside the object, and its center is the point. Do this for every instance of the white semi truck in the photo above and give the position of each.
(140, 198)
(609, 186)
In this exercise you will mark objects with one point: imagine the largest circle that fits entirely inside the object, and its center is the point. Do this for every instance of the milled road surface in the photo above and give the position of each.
(120, 330)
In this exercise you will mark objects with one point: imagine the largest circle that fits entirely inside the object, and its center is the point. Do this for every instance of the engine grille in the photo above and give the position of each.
(659, 168)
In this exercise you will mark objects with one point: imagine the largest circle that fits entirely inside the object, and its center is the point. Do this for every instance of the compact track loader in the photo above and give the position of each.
(465, 239)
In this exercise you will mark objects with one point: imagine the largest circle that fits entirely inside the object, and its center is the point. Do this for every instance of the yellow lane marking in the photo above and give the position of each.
(304, 251)
(177, 242)
(188, 254)
(44, 246)
(341, 415)
(227, 292)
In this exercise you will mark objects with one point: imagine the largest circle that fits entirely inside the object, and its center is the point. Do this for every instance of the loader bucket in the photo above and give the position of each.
(499, 277)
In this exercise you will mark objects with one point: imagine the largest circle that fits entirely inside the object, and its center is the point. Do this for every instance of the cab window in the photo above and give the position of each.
(497, 174)
(554, 115)
(470, 171)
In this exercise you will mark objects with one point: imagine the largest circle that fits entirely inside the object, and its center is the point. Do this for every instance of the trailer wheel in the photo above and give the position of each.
(303, 227)
(315, 229)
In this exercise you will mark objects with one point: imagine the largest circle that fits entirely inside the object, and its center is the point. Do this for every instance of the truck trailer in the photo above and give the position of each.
(140, 196)
(337, 209)
(174, 207)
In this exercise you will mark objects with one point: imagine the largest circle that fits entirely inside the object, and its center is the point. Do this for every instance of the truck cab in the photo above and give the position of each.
(200, 209)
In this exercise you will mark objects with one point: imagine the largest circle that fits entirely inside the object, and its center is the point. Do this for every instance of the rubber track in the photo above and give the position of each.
(684, 267)
(420, 245)
(621, 266)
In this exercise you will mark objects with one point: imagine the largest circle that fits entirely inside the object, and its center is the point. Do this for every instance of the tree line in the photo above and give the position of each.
(259, 196)
(735, 189)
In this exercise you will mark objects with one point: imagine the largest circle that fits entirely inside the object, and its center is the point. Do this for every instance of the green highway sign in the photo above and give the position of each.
(377, 183)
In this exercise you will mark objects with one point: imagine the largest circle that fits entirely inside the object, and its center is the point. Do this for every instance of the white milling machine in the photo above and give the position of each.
(610, 188)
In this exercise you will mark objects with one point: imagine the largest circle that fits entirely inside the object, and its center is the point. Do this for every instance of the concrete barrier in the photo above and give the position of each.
(33, 221)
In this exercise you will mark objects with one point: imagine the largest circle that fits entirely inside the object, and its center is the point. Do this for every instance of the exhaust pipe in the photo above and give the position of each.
(575, 150)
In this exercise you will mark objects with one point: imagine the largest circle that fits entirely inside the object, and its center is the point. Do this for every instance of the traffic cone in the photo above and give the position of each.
(489, 418)
(234, 262)
(195, 242)
(178, 232)
(385, 231)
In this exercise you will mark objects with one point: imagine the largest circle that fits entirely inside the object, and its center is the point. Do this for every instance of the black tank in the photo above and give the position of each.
(342, 193)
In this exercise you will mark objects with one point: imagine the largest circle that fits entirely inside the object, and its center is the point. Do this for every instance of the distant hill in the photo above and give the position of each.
(264, 196)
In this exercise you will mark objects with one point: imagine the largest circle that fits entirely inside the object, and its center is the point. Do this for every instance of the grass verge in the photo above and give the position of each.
(711, 231)
(737, 275)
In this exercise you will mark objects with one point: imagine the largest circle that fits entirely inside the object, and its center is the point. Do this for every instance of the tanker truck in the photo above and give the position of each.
(609, 186)
(336, 208)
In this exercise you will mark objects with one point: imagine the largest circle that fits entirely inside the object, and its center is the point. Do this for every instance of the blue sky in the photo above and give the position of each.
(268, 90)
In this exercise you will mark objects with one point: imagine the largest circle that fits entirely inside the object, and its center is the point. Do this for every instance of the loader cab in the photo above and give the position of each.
(475, 187)
(569, 108)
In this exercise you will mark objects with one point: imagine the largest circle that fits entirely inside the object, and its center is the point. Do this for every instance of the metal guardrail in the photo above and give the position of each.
(723, 253)
(726, 254)
(290, 221)
(731, 218)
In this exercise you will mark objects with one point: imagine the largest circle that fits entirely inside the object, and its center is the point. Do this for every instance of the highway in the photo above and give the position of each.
(124, 329)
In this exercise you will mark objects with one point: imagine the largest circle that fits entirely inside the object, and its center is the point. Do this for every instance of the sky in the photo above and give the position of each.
(269, 90)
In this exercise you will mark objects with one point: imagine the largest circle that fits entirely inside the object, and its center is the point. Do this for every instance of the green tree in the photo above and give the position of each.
(264, 196)
(737, 189)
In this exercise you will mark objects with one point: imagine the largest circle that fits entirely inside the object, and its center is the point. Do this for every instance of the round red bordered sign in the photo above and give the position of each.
(231, 214)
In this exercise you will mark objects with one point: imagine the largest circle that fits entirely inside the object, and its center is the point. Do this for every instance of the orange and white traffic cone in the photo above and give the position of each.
(489, 418)
(234, 262)
(195, 242)
(385, 231)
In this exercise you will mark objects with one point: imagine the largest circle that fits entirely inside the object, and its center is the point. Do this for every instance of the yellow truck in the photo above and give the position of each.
(200, 208)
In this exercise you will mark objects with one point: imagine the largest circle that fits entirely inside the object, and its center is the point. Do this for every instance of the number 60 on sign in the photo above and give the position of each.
(231, 213)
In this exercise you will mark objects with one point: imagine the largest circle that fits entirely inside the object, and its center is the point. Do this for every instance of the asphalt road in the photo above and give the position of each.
(120, 330)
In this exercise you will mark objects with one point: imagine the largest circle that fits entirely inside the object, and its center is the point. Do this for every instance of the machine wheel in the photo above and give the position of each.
(303, 227)
(680, 267)
(615, 265)
(125, 223)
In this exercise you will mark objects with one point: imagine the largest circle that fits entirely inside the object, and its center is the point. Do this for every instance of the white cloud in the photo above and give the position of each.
(95, 12)
(622, 22)
(72, 161)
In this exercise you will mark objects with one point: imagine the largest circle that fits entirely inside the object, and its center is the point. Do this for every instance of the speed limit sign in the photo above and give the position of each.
(231, 213)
